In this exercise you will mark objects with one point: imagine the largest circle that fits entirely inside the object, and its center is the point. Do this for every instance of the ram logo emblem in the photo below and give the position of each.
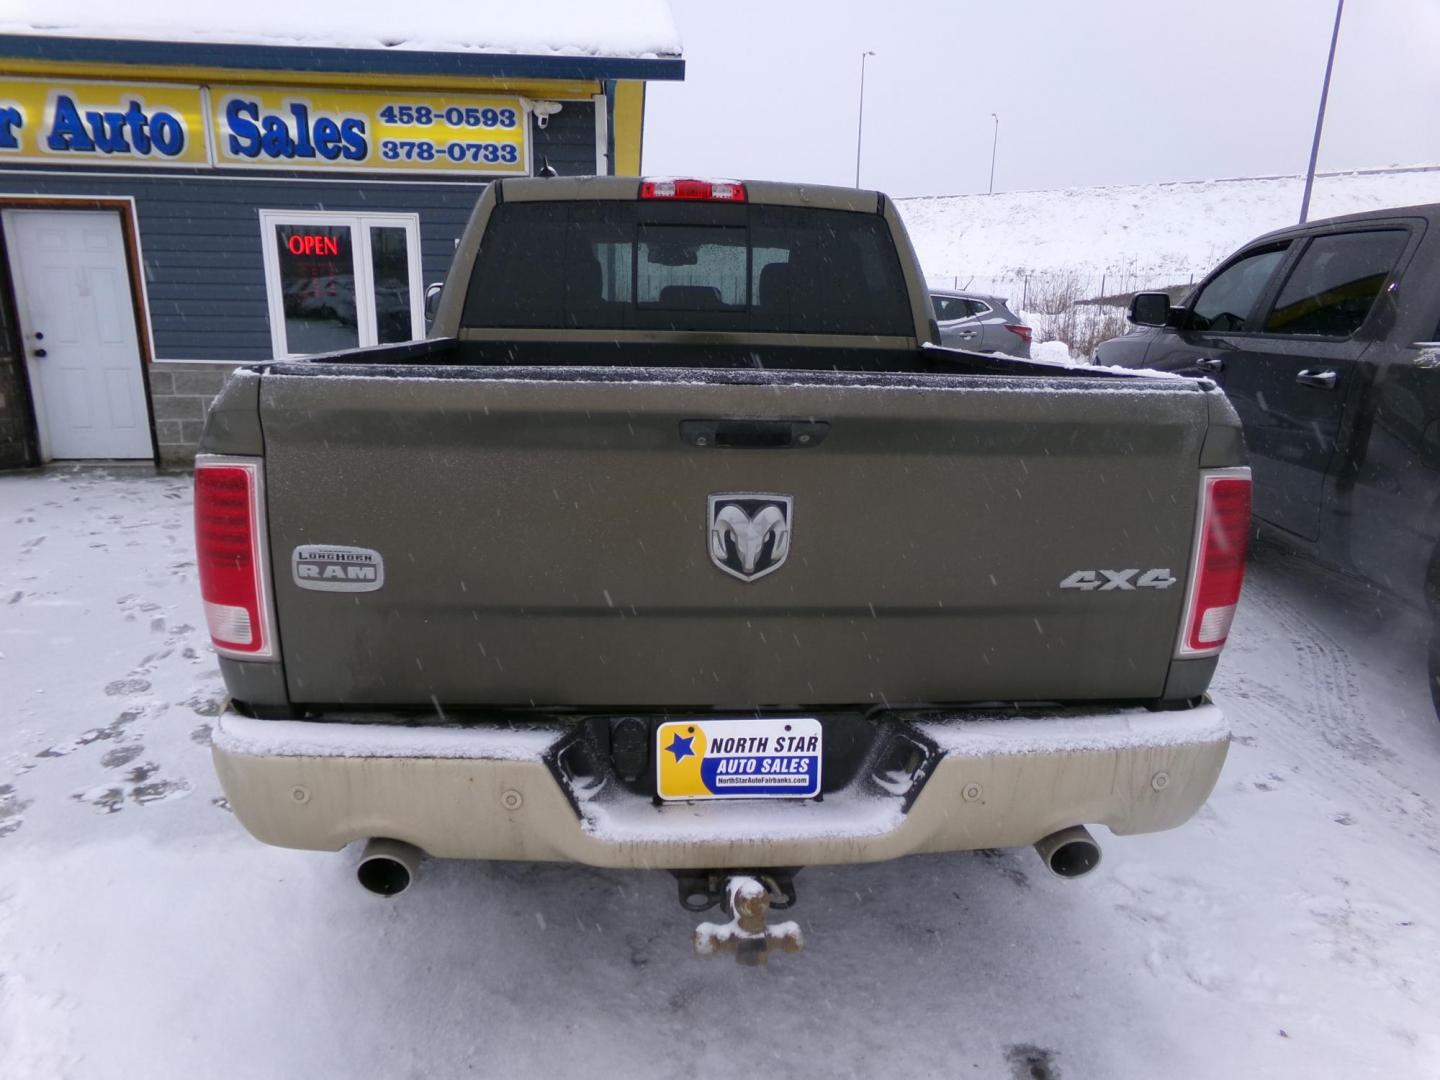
(749, 534)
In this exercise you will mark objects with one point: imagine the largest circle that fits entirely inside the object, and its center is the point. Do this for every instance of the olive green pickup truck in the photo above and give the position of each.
(682, 545)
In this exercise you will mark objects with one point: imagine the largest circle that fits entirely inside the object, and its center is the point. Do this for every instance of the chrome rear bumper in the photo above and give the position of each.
(495, 793)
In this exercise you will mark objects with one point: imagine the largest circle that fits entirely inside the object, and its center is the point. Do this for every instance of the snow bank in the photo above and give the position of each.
(1049, 352)
(619, 28)
(1132, 236)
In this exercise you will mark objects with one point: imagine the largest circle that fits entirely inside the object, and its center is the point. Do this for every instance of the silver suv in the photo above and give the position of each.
(979, 323)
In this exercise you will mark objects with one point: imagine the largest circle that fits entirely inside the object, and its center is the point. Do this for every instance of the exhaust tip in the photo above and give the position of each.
(1069, 853)
(387, 867)
(384, 876)
(1075, 859)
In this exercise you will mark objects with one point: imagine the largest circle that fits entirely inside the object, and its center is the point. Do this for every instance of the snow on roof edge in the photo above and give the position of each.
(416, 47)
(624, 30)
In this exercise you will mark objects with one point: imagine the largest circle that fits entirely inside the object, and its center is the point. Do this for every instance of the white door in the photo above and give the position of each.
(73, 294)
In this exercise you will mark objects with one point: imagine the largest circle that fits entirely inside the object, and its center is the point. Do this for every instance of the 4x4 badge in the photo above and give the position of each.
(749, 533)
(1118, 580)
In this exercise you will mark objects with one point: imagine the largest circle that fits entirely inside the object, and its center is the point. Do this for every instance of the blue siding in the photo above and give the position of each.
(200, 232)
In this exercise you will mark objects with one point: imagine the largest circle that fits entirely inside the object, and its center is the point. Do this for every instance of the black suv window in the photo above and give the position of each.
(1335, 283)
(1225, 303)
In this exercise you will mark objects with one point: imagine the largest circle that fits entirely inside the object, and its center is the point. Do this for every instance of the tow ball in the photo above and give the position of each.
(747, 901)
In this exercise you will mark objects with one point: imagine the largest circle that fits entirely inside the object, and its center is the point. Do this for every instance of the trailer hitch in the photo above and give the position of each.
(701, 890)
(747, 901)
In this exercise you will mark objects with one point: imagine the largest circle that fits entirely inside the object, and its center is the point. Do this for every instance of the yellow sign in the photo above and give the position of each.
(88, 123)
(374, 132)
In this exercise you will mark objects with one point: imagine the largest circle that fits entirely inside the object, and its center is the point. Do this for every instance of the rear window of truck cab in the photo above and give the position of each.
(605, 265)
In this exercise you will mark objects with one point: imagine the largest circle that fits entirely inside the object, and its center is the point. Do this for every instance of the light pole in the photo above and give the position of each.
(1320, 117)
(994, 143)
(860, 124)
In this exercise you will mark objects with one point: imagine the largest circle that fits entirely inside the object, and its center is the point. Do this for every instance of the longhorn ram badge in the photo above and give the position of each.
(749, 533)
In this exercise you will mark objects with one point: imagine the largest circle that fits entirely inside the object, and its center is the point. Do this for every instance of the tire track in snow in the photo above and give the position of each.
(1319, 716)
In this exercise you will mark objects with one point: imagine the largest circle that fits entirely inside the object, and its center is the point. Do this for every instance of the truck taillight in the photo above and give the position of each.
(1222, 540)
(705, 190)
(230, 555)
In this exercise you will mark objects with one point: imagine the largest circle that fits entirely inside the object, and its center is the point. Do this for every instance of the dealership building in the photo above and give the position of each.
(177, 202)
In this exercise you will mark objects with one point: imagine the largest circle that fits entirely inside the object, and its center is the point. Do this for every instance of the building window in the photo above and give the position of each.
(340, 281)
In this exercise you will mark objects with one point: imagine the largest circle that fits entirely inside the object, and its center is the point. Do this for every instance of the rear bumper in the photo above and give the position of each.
(488, 793)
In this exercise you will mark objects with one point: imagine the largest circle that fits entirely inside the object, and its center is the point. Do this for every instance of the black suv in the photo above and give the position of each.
(1326, 337)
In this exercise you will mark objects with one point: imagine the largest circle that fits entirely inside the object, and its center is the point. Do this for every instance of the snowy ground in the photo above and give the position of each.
(1110, 240)
(1050, 254)
(1292, 930)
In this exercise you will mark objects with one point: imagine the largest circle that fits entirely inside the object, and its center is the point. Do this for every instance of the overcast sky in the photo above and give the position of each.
(1105, 92)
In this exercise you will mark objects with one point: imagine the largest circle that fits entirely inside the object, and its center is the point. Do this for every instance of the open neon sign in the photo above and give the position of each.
(309, 244)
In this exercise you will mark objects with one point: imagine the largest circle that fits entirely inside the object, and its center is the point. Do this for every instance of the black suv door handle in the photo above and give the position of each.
(1210, 363)
(1320, 380)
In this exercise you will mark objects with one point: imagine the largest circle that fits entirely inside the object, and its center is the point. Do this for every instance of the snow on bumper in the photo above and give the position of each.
(489, 793)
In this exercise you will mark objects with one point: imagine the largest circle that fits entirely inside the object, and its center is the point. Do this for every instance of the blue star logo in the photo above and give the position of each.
(681, 747)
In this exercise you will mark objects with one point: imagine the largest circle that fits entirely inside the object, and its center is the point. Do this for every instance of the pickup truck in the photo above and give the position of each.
(682, 545)
(1324, 336)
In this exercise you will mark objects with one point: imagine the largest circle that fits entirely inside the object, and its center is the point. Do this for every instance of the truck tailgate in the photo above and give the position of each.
(546, 540)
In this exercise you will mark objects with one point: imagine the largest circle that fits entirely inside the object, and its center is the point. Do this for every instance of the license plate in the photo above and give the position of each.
(739, 759)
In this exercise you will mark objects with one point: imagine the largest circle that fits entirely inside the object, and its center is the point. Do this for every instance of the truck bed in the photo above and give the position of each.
(720, 354)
